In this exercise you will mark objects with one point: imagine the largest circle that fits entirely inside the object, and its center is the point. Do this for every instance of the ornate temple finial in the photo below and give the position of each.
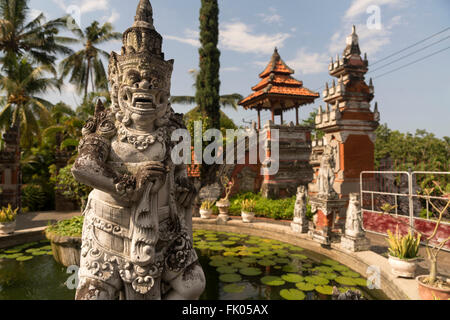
(352, 44)
(370, 82)
(144, 15)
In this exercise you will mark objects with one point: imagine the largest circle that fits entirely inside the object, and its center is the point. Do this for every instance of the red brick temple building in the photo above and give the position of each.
(347, 120)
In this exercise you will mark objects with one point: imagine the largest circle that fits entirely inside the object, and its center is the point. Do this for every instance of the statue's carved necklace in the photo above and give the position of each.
(140, 141)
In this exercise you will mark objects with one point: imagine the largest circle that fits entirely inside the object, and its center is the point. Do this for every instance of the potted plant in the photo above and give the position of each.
(8, 220)
(224, 204)
(433, 287)
(247, 210)
(403, 253)
(206, 209)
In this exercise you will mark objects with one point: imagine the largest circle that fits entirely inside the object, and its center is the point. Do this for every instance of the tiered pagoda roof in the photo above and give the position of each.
(278, 90)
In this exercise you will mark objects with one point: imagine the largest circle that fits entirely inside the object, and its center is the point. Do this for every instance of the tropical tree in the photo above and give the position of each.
(86, 65)
(37, 39)
(23, 106)
(208, 82)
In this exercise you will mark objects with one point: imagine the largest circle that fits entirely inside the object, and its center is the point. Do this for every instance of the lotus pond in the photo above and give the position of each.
(237, 267)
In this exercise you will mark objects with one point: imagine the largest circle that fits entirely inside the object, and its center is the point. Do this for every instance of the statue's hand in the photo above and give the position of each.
(155, 173)
(186, 191)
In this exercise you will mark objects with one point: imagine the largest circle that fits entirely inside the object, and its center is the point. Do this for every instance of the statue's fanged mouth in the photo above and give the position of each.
(143, 102)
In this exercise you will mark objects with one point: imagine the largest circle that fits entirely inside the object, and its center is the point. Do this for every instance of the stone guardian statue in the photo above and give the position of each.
(137, 235)
(300, 223)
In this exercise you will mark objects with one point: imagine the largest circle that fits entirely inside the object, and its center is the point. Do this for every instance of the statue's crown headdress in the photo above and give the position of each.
(142, 51)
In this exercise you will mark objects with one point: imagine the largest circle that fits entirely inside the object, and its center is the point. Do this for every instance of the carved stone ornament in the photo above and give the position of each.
(137, 239)
(354, 238)
(326, 177)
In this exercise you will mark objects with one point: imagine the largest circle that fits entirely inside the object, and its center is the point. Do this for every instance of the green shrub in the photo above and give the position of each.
(69, 228)
(70, 188)
(33, 197)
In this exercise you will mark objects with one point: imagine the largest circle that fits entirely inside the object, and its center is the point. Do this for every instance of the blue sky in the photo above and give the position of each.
(308, 34)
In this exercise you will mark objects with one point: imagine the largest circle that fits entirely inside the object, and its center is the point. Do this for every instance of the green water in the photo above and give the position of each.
(237, 267)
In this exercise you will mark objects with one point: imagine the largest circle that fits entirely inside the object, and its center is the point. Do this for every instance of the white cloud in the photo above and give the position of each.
(308, 62)
(238, 36)
(271, 17)
(113, 17)
(85, 6)
(359, 7)
(94, 5)
(191, 37)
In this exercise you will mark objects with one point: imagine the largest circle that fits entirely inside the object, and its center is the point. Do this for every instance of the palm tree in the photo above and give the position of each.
(86, 64)
(228, 100)
(36, 39)
(23, 84)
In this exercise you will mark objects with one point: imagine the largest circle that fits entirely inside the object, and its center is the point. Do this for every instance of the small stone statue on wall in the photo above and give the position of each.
(137, 234)
(354, 223)
(300, 223)
(355, 237)
(326, 177)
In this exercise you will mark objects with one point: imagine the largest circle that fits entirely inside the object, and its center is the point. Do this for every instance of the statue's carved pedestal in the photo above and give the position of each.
(360, 243)
(327, 220)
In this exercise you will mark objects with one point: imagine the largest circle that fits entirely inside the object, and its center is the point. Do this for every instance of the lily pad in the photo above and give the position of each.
(329, 276)
(346, 281)
(292, 294)
(340, 268)
(233, 288)
(230, 254)
(39, 253)
(305, 286)
(230, 277)
(299, 256)
(250, 271)
(317, 280)
(249, 260)
(290, 268)
(24, 258)
(240, 265)
(292, 277)
(324, 269)
(228, 242)
(282, 260)
(330, 262)
(218, 263)
(350, 274)
(12, 256)
(360, 282)
(226, 269)
(327, 290)
(272, 281)
(266, 262)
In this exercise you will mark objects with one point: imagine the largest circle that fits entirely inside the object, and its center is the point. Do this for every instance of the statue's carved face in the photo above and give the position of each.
(354, 198)
(140, 94)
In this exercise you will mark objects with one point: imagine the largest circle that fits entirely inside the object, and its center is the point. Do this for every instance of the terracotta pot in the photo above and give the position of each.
(405, 268)
(247, 217)
(7, 228)
(205, 213)
(428, 292)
